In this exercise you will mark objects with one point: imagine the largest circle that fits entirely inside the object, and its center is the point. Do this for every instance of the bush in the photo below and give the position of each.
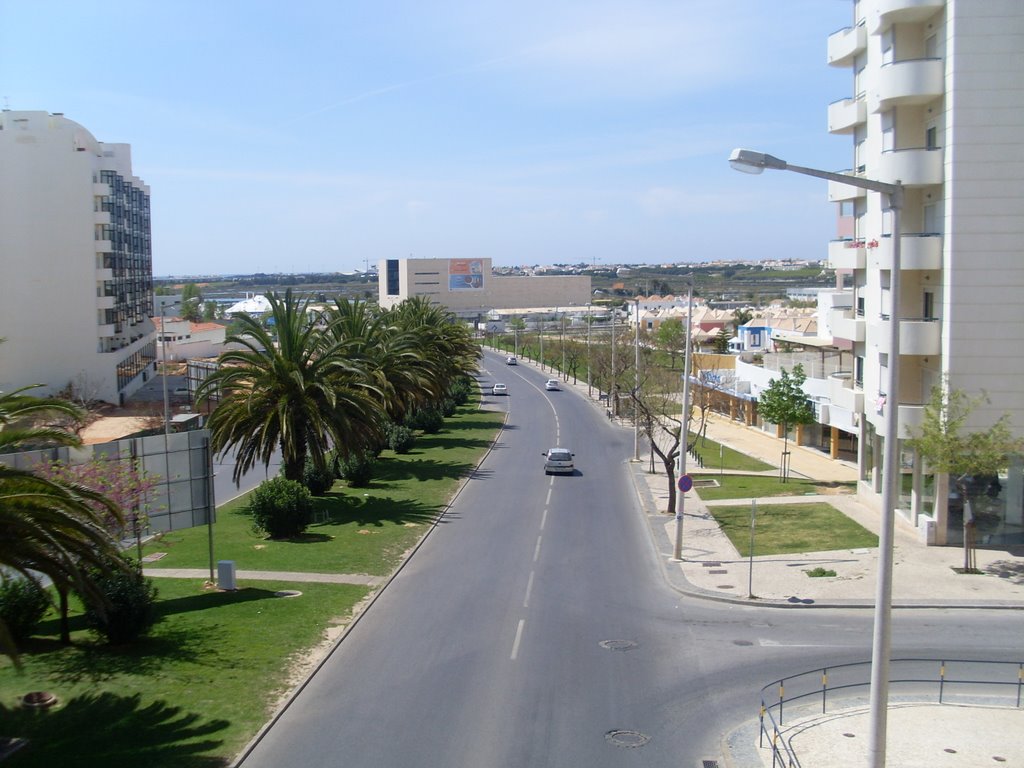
(448, 407)
(357, 469)
(430, 420)
(400, 438)
(460, 390)
(23, 604)
(130, 608)
(319, 481)
(281, 508)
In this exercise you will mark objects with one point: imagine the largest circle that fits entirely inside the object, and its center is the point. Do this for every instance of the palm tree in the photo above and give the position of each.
(47, 526)
(297, 392)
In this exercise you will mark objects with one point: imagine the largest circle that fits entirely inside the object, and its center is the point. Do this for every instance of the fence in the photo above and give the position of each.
(941, 681)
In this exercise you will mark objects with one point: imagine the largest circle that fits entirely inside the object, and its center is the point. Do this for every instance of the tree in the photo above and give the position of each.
(56, 527)
(670, 337)
(191, 302)
(946, 449)
(742, 317)
(298, 393)
(658, 414)
(722, 339)
(784, 402)
(210, 311)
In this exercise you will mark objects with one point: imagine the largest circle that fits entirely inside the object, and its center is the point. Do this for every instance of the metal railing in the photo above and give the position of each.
(939, 681)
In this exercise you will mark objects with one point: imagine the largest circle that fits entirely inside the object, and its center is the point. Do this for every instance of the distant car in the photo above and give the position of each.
(551, 385)
(511, 360)
(180, 391)
(558, 461)
(499, 389)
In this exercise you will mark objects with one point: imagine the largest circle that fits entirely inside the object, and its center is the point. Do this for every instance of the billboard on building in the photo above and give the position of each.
(465, 274)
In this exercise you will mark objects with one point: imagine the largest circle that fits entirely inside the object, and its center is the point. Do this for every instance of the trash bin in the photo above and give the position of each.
(226, 575)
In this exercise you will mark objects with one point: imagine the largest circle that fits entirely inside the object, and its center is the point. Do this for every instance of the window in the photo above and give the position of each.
(931, 138)
(392, 277)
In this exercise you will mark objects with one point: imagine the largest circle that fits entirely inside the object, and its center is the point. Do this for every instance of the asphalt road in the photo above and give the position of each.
(533, 627)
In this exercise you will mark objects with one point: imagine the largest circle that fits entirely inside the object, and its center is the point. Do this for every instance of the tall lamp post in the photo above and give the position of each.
(163, 354)
(748, 161)
(684, 423)
(636, 379)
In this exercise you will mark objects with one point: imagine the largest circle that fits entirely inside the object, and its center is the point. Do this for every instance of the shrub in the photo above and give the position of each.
(429, 419)
(318, 481)
(130, 608)
(460, 390)
(357, 469)
(448, 407)
(281, 508)
(400, 438)
(22, 606)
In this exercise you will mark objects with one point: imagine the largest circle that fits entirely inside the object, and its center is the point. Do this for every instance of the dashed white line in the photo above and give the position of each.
(529, 588)
(547, 501)
(536, 551)
(515, 643)
(544, 518)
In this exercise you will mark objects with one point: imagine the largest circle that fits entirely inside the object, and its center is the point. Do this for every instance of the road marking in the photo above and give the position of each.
(529, 588)
(544, 518)
(547, 501)
(519, 636)
(536, 551)
(776, 644)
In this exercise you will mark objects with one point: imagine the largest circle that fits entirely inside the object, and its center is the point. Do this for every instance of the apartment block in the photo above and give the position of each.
(937, 104)
(75, 244)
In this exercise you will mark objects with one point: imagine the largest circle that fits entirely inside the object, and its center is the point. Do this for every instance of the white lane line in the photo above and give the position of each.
(547, 501)
(536, 551)
(544, 518)
(529, 589)
(519, 636)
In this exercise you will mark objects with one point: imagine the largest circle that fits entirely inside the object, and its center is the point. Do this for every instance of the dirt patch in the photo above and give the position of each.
(106, 428)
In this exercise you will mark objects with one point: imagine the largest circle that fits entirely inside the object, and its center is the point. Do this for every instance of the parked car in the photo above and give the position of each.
(551, 385)
(511, 360)
(499, 389)
(558, 461)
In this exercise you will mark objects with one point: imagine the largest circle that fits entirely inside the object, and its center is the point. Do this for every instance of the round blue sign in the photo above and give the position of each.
(685, 483)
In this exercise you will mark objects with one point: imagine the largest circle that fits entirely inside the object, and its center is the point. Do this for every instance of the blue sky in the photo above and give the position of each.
(289, 137)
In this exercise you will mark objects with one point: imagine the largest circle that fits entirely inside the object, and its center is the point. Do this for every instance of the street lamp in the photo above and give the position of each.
(636, 379)
(163, 354)
(684, 423)
(748, 161)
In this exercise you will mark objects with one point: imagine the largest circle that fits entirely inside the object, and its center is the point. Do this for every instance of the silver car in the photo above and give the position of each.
(558, 461)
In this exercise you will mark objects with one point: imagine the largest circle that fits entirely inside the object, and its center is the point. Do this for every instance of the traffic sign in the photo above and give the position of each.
(685, 483)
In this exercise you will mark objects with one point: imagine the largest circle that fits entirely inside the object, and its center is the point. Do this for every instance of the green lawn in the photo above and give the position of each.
(194, 692)
(790, 528)
(757, 486)
(718, 456)
(365, 530)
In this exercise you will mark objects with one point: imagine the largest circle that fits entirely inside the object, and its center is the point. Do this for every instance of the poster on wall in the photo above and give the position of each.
(465, 275)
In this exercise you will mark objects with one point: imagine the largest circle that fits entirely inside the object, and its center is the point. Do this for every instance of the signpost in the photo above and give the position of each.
(685, 483)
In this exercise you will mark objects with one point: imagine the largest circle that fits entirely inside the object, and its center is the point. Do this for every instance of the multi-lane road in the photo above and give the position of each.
(534, 628)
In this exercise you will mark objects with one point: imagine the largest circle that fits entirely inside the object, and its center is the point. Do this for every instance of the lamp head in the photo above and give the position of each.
(749, 161)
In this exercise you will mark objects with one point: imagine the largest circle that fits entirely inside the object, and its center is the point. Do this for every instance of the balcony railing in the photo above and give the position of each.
(915, 167)
(920, 336)
(846, 325)
(846, 254)
(918, 250)
(845, 44)
(914, 81)
(837, 191)
(846, 114)
(889, 12)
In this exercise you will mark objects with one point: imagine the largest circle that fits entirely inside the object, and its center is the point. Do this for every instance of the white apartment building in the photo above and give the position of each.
(77, 288)
(937, 103)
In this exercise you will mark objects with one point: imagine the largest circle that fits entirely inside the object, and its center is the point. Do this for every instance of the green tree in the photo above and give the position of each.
(671, 337)
(210, 311)
(191, 302)
(742, 317)
(722, 339)
(784, 402)
(948, 449)
(52, 526)
(296, 392)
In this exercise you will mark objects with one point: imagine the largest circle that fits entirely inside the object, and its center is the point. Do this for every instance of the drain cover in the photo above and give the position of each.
(617, 645)
(742, 642)
(628, 739)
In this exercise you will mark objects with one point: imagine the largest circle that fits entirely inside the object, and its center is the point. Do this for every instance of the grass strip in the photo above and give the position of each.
(782, 529)
(759, 486)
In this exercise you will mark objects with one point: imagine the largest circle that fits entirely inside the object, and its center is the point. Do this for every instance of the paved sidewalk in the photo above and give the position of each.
(362, 579)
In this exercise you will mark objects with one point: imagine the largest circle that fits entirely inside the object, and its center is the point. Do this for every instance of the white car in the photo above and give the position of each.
(551, 385)
(511, 360)
(499, 389)
(558, 461)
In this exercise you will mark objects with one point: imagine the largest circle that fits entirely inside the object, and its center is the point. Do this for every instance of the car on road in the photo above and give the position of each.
(558, 461)
(180, 391)
(511, 360)
(551, 385)
(499, 389)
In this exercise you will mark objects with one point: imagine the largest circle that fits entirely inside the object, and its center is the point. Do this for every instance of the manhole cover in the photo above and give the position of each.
(718, 571)
(617, 645)
(725, 586)
(741, 642)
(288, 593)
(628, 739)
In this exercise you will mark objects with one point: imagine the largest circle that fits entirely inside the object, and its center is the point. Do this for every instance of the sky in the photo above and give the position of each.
(288, 137)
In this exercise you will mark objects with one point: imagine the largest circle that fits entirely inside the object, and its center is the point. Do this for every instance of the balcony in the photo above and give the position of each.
(922, 250)
(846, 114)
(845, 44)
(842, 393)
(104, 275)
(105, 302)
(920, 337)
(100, 190)
(909, 419)
(846, 325)
(104, 246)
(846, 254)
(916, 81)
(889, 12)
(101, 217)
(838, 192)
(918, 167)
